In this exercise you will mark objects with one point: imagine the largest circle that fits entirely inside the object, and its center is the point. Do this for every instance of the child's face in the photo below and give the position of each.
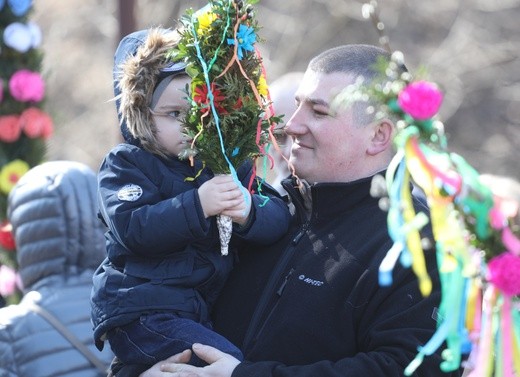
(168, 114)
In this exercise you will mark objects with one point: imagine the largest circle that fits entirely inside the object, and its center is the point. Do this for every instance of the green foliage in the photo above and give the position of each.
(232, 126)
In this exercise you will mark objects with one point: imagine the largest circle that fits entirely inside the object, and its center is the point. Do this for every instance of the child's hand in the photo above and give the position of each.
(240, 213)
(219, 194)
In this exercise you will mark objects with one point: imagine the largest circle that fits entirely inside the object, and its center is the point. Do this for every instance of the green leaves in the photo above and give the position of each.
(228, 117)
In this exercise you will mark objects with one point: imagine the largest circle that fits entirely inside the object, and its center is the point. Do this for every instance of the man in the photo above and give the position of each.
(310, 305)
(282, 94)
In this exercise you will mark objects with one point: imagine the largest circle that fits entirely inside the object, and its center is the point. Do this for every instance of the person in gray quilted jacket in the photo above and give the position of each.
(60, 242)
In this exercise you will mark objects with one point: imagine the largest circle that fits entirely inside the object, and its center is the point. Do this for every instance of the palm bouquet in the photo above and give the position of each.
(230, 116)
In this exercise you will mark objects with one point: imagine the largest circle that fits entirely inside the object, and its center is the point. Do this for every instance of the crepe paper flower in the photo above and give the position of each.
(201, 97)
(11, 173)
(36, 34)
(36, 123)
(504, 273)
(18, 37)
(9, 280)
(510, 241)
(27, 86)
(246, 38)
(6, 236)
(262, 87)
(19, 7)
(420, 99)
(205, 20)
(9, 128)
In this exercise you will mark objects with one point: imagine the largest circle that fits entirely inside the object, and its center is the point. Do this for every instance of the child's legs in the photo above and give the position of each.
(155, 337)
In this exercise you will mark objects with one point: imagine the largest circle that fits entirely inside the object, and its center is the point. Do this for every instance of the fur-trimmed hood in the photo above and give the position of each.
(138, 63)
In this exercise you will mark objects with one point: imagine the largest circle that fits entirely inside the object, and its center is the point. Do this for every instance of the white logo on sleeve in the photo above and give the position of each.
(130, 193)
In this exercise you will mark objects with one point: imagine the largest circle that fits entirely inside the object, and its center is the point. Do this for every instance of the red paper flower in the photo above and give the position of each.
(504, 273)
(9, 128)
(6, 237)
(35, 123)
(27, 86)
(202, 99)
(420, 99)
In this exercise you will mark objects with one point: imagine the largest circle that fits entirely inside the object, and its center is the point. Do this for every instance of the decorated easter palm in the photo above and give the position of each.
(24, 126)
(230, 117)
(477, 251)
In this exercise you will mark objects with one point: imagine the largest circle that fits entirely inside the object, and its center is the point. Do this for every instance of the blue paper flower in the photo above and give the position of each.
(246, 38)
(19, 7)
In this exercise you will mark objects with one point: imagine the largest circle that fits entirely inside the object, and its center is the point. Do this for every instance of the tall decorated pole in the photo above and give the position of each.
(230, 117)
(24, 126)
(476, 239)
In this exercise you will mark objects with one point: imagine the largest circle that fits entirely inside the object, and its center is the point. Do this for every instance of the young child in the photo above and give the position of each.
(153, 293)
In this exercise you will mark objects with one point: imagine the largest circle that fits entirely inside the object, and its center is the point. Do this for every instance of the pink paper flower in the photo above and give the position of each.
(504, 273)
(9, 279)
(9, 128)
(27, 86)
(420, 99)
(35, 123)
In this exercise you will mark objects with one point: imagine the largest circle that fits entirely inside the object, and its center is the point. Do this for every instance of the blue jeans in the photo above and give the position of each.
(157, 336)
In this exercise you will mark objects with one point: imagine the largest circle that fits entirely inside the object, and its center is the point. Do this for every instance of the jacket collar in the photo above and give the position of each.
(329, 199)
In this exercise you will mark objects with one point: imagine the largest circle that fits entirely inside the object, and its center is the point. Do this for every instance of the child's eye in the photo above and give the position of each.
(174, 114)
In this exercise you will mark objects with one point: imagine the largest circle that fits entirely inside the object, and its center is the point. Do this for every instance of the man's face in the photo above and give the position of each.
(327, 144)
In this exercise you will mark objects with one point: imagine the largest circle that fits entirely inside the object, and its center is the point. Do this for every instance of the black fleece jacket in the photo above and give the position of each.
(311, 304)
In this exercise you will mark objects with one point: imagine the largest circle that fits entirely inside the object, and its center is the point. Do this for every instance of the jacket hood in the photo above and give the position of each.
(53, 212)
(140, 62)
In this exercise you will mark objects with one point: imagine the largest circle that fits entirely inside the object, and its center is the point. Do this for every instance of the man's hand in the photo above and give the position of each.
(156, 371)
(220, 364)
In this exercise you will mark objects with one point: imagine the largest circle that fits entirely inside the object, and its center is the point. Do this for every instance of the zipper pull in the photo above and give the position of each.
(300, 234)
(284, 283)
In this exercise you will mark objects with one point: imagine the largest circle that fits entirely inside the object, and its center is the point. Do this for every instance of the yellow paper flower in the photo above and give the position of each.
(11, 173)
(262, 86)
(205, 21)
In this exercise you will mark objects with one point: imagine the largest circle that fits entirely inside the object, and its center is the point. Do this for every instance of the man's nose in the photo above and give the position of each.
(295, 125)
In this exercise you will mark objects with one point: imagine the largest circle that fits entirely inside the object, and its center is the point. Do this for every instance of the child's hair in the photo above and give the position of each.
(140, 75)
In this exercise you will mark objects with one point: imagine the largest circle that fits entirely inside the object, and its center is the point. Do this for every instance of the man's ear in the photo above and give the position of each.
(381, 137)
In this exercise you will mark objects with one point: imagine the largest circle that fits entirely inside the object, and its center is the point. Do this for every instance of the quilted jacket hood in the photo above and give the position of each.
(53, 212)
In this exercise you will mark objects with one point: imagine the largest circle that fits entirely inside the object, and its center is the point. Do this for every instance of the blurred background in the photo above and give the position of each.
(471, 48)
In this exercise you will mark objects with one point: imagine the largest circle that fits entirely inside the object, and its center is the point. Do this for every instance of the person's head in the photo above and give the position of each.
(340, 143)
(282, 92)
(53, 213)
(150, 91)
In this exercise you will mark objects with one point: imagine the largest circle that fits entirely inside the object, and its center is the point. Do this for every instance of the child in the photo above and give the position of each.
(153, 294)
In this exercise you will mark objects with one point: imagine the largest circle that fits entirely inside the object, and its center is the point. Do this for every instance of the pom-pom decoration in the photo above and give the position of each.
(22, 37)
(230, 116)
(27, 86)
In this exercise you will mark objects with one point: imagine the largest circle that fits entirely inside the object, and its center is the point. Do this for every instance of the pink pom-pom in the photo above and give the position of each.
(420, 99)
(504, 273)
(9, 128)
(27, 86)
(36, 123)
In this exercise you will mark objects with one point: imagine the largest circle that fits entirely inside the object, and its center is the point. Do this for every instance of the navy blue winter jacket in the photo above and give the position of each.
(163, 254)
